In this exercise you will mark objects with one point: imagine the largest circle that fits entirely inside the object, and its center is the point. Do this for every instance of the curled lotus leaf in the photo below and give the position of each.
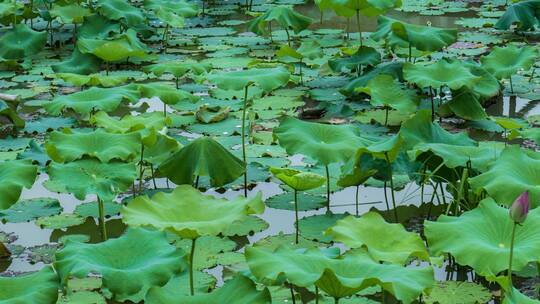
(370, 8)
(90, 176)
(167, 94)
(238, 290)
(129, 265)
(386, 91)
(70, 13)
(68, 146)
(202, 157)
(283, 15)
(117, 48)
(514, 172)
(267, 79)
(339, 277)
(524, 14)
(358, 169)
(486, 231)
(298, 180)
(443, 73)
(163, 148)
(36, 288)
(78, 63)
(121, 11)
(210, 114)
(383, 241)
(21, 42)
(516, 297)
(323, 142)
(189, 213)
(364, 56)
(503, 62)
(15, 175)
(180, 8)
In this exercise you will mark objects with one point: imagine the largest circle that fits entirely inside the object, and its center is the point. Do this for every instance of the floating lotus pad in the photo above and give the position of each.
(36, 288)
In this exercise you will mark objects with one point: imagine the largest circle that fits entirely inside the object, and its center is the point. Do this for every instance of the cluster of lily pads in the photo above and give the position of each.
(163, 120)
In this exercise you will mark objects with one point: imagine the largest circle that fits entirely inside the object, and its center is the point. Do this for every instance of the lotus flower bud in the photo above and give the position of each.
(520, 208)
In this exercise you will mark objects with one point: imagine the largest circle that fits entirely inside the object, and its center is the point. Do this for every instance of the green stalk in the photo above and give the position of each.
(292, 293)
(153, 175)
(511, 256)
(327, 189)
(244, 138)
(356, 197)
(358, 25)
(432, 104)
(141, 171)
(386, 197)
(392, 187)
(288, 37)
(511, 85)
(386, 116)
(317, 294)
(296, 222)
(336, 300)
(191, 287)
(164, 37)
(102, 219)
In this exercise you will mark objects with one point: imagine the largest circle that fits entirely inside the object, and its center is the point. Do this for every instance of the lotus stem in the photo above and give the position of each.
(296, 222)
(392, 187)
(164, 37)
(197, 182)
(101, 209)
(288, 37)
(317, 294)
(511, 257)
(432, 104)
(244, 138)
(301, 75)
(348, 28)
(356, 197)
(410, 53)
(386, 197)
(327, 189)
(386, 116)
(442, 194)
(511, 85)
(321, 18)
(358, 25)
(153, 175)
(191, 287)
(336, 300)
(141, 170)
(292, 293)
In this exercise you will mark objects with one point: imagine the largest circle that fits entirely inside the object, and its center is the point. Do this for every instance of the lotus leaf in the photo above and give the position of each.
(68, 146)
(383, 241)
(78, 63)
(298, 180)
(188, 213)
(202, 157)
(310, 49)
(129, 265)
(466, 104)
(27, 210)
(181, 8)
(36, 288)
(515, 297)
(285, 16)
(92, 80)
(14, 175)
(370, 8)
(358, 169)
(524, 14)
(121, 47)
(162, 149)
(339, 277)
(503, 62)
(60, 221)
(452, 74)
(238, 290)
(486, 231)
(386, 91)
(267, 79)
(452, 292)
(70, 13)
(514, 172)
(364, 56)
(90, 176)
(21, 42)
(306, 201)
(208, 114)
(167, 94)
(120, 10)
(178, 68)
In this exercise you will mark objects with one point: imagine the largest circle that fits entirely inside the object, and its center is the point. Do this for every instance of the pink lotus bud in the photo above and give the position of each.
(520, 208)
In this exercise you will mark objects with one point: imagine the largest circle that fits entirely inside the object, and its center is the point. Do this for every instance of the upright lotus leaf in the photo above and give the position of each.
(93, 79)
(178, 68)
(90, 176)
(98, 26)
(424, 38)
(93, 99)
(387, 92)
(364, 56)
(369, 8)
(10, 113)
(167, 94)
(129, 265)
(339, 277)
(486, 231)
(202, 157)
(238, 290)
(68, 146)
(420, 129)
(516, 297)
(514, 172)
(78, 63)
(391, 68)
(36, 288)
(21, 42)
(284, 16)
(325, 143)
(466, 104)
(267, 79)
(443, 73)
(129, 123)
(163, 148)
(14, 175)
(119, 47)
(309, 49)
(488, 86)
(358, 169)
(70, 13)
(503, 62)
(181, 8)
(298, 180)
(120, 11)
(524, 14)
(383, 241)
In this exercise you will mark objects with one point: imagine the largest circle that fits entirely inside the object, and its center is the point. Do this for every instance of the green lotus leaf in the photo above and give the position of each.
(424, 38)
(524, 14)
(488, 85)
(21, 42)
(358, 169)
(11, 114)
(161, 150)
(60, 221)
(513, 173)
(238, 290)
(78, 63)
(284, 16)
(188, 213)
(339, 277)
(391, 68)
(93, 79)
(306, 201)
(383, 241)
(170, 18)
(36, 288)
(8, 8)
(486, 231)
(120, 10)
(370, 8)
(179, 285)
(70, 13)
(30, 209)
(503, 62)
(325, 143)
(91, 209)
(309, 49)
(516, 297)
(386, 91)
(298, 180)
(93, 99)
(67, 146)
(90, 176)
(167, 94)
(364, 56)
(452, 292)
(452, 74)
(14, 175)
(313, 227)
(98, 26)
(123, 46)
(129, 265)
(267, 79)
(178, 68)
(202, 157)
(208, 114)
(466, 104)
(181, 8)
